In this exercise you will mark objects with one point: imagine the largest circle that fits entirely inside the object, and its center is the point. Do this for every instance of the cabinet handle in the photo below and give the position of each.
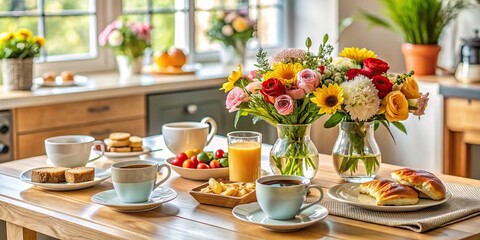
(104, 132)
(99, 109)
(191, 109)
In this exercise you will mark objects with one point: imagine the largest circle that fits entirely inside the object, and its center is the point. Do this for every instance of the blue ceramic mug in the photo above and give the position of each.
(281, 197)
(134, 181)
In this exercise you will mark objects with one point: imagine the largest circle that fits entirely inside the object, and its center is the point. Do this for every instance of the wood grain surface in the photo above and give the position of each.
(71, 215)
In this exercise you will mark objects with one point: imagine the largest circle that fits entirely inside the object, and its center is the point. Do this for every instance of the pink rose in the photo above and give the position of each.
(284, 104)
(254, 87)
(255, 74)
(422, 104)
(308, 80)
(103, 36)
(141, 30)
(296, 93)
(234, 98)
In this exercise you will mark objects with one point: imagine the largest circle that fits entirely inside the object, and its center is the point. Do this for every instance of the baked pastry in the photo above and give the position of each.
(425, 182)
(49, 76)
(137, 149)
(120, 149)
(119, 143)
(67, 76)
(80, 174)
(119, 136)
(135, 142)
(388, 192)
(49, 175)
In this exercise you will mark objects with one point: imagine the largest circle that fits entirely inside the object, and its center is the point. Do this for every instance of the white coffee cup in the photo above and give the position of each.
(182, 136)
(72, 150)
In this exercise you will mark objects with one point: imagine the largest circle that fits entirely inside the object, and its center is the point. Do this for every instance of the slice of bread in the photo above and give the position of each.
(80, 174)
(49, 175)
(119, 136)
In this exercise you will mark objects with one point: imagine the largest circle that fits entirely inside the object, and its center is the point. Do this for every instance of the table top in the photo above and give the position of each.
(72, 215)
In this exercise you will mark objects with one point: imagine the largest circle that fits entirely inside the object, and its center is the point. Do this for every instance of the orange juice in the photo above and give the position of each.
(244, 161)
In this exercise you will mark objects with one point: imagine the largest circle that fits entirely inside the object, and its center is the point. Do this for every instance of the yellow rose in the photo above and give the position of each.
(23, 33)
(396, 106)
(410, 88)
(240, 24)
(5, 36)
(39, 40)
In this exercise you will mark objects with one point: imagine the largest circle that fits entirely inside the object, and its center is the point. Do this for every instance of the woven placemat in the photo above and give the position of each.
(464, 204)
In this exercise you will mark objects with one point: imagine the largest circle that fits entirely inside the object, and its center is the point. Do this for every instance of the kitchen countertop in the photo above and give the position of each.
(108, 84)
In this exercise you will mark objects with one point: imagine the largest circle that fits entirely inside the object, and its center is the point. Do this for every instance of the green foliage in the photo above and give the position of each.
(419, 21)
(218, 22)
(262, 62)
(335, 119)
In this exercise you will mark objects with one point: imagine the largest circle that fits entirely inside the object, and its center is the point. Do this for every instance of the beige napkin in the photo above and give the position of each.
(465, 203)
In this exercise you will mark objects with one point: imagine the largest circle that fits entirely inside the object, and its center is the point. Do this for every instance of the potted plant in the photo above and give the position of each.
(17, 50)
(420, 22)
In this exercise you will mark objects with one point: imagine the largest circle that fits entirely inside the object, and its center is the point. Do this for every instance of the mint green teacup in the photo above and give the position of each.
(134, 181)
(281, 197)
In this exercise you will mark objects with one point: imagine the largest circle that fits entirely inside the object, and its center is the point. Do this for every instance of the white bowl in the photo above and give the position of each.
(198, 174)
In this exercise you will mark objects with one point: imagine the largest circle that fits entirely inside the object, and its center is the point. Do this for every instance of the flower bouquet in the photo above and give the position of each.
(17, 50)
(232, 29)
(358, 92)
(280, 93)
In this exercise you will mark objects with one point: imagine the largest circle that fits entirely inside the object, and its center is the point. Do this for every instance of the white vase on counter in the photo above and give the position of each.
(127, 67)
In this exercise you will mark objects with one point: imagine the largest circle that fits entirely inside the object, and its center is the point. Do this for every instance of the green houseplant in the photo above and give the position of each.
(421, 23)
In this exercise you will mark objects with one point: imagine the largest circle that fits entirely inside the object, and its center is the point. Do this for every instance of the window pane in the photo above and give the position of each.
(139, 18)
(269, 27)
(68, 35)
(19, 5)
(169, 4)
(269, 2)
(207, 4)
(129, 5)
(13, 24)
(202, 24)
(169, 30)
(56, 6)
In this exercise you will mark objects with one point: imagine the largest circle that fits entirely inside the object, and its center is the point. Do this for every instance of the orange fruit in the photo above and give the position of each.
(177, 57)
(162, 59)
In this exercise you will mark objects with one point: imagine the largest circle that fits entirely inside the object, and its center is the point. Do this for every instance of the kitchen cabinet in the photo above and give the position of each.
(97, 118)
(195, 105)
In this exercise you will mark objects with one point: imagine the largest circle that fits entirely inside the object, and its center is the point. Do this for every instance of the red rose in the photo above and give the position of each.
(321, 69)
(383, 85)
(352, 73)
(271, 89)
(375, 66)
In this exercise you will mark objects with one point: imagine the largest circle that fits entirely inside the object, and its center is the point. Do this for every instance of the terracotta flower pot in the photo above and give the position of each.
(421, 58)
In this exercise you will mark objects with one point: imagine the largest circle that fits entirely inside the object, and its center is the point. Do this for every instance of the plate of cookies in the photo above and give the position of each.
(65, 79)
(410, 190)
(64, 179)
(122, 144)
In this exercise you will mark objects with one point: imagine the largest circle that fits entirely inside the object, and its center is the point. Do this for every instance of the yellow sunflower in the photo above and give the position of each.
(23, 33)
(39, 40)
(285, 72)
(357, 54)
(329, 99)
(5, 36)
(232, 79)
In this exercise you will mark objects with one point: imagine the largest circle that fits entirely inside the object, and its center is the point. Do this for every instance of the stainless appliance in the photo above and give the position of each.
(468, 70)
(6, 153)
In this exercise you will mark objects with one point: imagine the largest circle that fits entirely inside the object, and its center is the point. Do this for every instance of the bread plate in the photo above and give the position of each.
(198, 174)
(100, 176)
(348, 193)
(77, 80)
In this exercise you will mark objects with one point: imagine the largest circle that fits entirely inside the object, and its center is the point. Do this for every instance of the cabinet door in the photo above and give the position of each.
(195, 105)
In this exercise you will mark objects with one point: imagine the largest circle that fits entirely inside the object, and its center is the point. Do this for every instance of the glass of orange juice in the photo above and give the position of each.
(244, 155)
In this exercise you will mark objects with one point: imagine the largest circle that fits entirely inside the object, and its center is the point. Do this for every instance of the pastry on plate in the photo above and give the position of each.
(120, 149)
(388, 192)
(67, 76)
(119, 136)
(49, 175)
(428, 185)
(135, 142)
(49, 76)
(80, 174)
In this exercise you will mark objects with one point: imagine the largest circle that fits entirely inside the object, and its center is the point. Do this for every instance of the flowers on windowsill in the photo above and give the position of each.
(126, 38)
(20, 44)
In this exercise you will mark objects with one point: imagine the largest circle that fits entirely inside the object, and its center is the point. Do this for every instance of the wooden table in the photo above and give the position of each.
(71, 215)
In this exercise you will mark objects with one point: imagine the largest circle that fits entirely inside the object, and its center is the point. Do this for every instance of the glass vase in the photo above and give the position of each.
(294, 152)
(356, 156)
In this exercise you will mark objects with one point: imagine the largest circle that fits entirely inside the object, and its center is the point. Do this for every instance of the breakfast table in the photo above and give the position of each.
(72, 215)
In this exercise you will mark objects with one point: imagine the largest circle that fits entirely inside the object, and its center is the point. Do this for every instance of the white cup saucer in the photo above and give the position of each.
(110, 199)
(252, 213)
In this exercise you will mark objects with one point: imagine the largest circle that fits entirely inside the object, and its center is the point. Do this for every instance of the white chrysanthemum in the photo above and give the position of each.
(361, 98)
(343, 63)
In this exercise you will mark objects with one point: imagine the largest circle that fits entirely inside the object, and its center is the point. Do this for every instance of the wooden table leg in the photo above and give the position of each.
(15, 232)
